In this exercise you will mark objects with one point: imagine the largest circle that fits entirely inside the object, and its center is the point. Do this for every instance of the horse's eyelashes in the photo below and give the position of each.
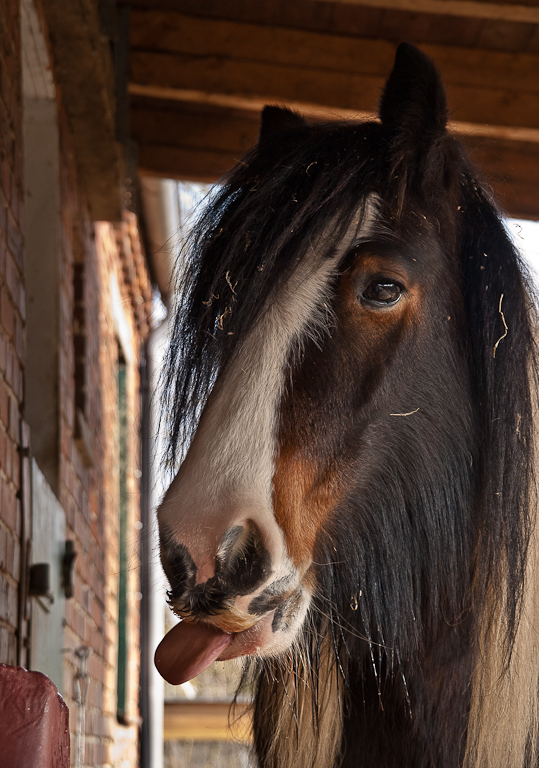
(382, 292)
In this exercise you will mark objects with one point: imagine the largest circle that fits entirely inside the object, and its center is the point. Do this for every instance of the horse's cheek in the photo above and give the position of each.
(302, 503)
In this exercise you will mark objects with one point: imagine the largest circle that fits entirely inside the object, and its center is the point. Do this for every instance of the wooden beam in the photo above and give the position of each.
(520, 11)
(193, 125)
(318, 112)
(512, 169)
(525, 12)
(184, 57)
(275, 83)
(235, 102)
(203, 36)
(227, 40)
(207, 721)
(184, 163)
(84, 70)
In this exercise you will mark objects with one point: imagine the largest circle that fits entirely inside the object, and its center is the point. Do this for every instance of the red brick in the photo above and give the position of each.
(14, 194)
(15, 468)
(17, 380)
(21, 300)
(14, 237)
(14, 419)
(3, 353)
(10, 450)
(3, 551)
(13, 278)
(3, 252)
(18, 161)
(5, 182)
(4, 405)
(4, 447)
(3, 211)
(8, 376)
(13, 556)
(7, 313)
(19, 338)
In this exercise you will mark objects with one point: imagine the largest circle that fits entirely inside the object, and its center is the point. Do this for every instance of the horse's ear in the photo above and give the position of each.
(413, 111)
(275, 120)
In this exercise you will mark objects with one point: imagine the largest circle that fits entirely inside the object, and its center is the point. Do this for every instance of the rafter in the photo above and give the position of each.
(505, 11)
(185, 58)
(354, 92)
(229, 40)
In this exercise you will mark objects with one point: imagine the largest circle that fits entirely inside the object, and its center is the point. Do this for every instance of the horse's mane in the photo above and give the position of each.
(465, 552)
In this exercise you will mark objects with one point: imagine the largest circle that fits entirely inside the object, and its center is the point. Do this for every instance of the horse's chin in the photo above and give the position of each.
(259, 640)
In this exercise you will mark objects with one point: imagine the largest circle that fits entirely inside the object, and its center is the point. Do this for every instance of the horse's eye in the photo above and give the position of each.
(382, 292)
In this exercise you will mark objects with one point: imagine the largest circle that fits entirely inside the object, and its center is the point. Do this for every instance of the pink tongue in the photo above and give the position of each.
(188, 649)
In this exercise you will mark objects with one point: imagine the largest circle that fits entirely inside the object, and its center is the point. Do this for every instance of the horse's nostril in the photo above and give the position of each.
(179, 567)
(242, 562)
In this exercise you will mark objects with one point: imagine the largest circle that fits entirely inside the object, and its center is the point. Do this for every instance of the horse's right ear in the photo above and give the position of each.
(413, 111)
(275, 120)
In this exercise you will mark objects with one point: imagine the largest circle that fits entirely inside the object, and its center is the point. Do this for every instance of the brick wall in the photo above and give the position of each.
(107, 257)
(104, 299)
(12, 308)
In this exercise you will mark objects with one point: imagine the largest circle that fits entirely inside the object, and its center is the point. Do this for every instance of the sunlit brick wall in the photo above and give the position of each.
(92, 258)
(12, 308)
(101, 255)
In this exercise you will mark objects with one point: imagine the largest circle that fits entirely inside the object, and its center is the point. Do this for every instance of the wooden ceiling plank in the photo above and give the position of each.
(183, 34)
(505, 162)
(217, 130)
(234, 101)
(273, 83)
(226, 131)
(267, 12)
(512, 37)
(320, 15)
(258, 80)
(184, 163)
(525, 12)
(357, 20)
(180, 33)
(318, 112)
(83, 68)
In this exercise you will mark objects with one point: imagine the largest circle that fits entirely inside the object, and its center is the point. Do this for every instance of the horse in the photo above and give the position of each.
(349, 396)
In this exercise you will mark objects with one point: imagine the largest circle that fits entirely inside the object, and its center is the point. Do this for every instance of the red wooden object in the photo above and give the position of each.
(34, 721)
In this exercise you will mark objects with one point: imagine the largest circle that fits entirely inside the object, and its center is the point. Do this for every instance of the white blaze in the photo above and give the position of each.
(226, 477)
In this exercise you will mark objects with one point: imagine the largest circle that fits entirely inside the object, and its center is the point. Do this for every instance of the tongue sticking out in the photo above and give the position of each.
(188, 649)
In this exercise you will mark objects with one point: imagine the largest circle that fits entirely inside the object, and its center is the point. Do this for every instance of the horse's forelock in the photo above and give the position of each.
(246, 245)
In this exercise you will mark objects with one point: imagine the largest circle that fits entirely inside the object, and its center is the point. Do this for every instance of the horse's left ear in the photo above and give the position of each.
(275, 120)
(413, 111)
